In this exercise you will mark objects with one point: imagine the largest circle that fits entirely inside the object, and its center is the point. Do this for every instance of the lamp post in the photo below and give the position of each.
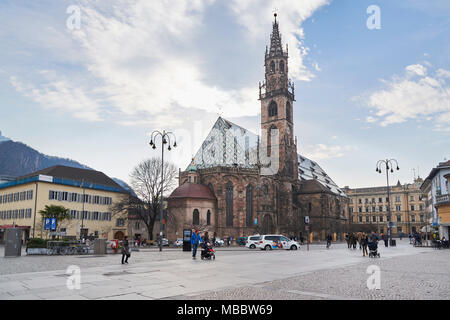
(388, 165)
(165, 139)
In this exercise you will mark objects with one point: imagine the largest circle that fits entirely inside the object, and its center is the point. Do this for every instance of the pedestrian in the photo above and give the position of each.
(195, 240)
(353, 241)
(231, 240)
(205, 240)
(347, 239)
(373, 237)
(329, 239)
(359, 239)
(125, 250)
(364, 243)
(386, 240)
(139, 241)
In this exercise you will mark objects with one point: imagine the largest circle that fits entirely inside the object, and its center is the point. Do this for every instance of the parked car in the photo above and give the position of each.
(252, 241)
(178, 242)
(241, 241)
(219, 242)
(277, 241)
(165, 242)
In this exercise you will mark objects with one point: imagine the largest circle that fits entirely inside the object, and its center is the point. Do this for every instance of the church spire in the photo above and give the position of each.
(275, 40)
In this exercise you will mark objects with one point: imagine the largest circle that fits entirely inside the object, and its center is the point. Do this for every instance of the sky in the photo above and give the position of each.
(90, 80)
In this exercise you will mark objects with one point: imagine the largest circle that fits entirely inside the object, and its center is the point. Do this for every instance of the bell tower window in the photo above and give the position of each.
(282, 66)
(273, 109)
(288, 111)
(272, 66)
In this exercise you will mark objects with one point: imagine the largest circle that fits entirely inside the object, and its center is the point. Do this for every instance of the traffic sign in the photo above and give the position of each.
(307, 228)
(306, 219)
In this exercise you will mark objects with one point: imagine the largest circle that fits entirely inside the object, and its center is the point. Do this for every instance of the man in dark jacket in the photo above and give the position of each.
(195, 240)
(386, 240)
(125, 250)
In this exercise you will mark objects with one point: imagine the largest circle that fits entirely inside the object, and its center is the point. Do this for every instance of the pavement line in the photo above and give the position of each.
(320, 295)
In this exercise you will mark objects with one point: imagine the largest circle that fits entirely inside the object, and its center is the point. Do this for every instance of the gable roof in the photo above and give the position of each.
(77, 174)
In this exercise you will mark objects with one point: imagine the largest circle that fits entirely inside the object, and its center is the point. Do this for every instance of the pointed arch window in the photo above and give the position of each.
(208, 218)
(288, 111)
(271, 132)
(229, 204)
(196, 217)
(249, 205)
(272, 66)
(273, 109)
(282, 66)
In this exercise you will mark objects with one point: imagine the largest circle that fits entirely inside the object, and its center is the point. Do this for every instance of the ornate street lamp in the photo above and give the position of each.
(388, 165)
(165, 139)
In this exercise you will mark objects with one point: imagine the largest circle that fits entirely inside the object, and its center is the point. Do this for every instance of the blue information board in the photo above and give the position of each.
(50, 224)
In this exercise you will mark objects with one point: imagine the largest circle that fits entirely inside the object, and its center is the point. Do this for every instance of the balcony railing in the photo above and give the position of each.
(443, 199)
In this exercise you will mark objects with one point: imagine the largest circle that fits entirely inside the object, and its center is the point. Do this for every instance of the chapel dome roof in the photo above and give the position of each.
(193, 190)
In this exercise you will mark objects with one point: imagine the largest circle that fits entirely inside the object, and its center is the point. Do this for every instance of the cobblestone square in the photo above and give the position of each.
(237, 273)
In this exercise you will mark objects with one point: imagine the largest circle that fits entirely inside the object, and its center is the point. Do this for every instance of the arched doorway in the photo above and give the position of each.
(267, 225)
(118, 235)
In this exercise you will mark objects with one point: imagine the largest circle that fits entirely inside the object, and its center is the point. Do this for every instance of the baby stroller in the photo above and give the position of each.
(208, 252)
(373, 252)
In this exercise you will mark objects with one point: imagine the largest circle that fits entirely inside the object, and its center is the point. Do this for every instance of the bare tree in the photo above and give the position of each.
(146, 183)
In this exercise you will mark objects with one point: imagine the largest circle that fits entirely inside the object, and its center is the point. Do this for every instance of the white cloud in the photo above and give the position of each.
(411, 96)
(291, 15)
(417, 69)
(324, 152)
(139, 63)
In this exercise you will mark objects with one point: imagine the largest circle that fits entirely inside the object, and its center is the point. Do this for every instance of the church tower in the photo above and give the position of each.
(277, 96)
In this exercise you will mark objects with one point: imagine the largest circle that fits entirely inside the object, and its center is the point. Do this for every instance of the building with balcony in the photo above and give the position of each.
(437, 185)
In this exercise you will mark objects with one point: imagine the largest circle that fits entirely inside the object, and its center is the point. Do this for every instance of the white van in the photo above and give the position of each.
(276, 241)
(252, 241)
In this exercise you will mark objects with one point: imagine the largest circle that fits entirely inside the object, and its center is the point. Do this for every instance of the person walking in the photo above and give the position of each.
(359, 239)
(353, 237)
(386, 240)
(205, 239)
(125, 250)
(364, 243)
(195, 240)
(329, 239)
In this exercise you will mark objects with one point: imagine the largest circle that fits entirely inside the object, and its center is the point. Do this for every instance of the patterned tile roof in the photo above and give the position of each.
(229, 144)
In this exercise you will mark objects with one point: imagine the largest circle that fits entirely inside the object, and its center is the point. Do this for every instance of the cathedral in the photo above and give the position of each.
(240, 184)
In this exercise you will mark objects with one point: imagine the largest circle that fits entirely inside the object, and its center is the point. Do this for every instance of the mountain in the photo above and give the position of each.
(18, 159)
(2, 138)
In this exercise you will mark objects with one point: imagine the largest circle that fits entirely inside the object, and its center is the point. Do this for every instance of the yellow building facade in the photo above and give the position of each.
(369, 206)
(443, 209)
(89, 195)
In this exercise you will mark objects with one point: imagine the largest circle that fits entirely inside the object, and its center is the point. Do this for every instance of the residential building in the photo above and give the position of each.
(437, 187)
(88, 194)
(369, 207)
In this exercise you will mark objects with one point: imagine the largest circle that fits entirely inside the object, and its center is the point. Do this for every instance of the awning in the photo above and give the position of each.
(10, 226)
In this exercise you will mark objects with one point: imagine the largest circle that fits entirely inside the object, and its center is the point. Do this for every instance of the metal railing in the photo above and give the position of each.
(444, 198)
